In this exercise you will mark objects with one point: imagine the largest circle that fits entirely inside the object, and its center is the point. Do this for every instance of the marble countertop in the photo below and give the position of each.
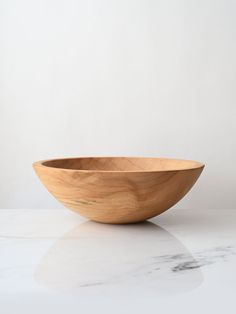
(54, 261)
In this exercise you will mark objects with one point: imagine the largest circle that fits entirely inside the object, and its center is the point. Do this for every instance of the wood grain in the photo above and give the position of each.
(118, 189)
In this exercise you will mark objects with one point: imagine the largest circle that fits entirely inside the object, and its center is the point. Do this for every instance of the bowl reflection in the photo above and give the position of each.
(119, 260)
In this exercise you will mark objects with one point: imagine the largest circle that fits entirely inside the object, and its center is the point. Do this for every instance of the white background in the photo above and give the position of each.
(117, 78)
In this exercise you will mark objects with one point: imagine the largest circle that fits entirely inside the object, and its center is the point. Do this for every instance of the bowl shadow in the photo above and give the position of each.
(137, 260)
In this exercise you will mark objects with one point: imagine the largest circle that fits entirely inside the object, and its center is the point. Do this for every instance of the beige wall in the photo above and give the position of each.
(145, 78)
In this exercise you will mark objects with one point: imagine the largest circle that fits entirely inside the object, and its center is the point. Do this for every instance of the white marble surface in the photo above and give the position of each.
(54, 261)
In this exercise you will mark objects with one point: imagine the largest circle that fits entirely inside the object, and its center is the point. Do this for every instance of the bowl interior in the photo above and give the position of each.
(127, 164)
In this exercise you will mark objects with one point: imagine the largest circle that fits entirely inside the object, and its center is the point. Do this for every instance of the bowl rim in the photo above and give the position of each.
(196, 164)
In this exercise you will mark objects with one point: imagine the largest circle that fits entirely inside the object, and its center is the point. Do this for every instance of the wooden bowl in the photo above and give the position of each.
(118, 189)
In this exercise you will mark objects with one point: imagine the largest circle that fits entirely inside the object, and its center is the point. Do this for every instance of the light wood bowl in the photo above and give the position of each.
(118, 189)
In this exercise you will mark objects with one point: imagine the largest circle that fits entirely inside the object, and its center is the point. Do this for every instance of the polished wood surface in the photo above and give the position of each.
(118, 189)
